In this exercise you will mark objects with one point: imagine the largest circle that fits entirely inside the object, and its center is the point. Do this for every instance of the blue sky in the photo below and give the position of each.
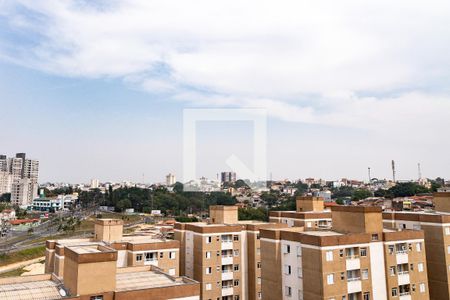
(98, 90)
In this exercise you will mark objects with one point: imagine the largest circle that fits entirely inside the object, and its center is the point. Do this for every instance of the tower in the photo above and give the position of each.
(393, 170)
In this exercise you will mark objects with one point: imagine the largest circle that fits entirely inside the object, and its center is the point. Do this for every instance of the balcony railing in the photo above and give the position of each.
(405, 293)
(402, 272)
(354, 256)
(353, 279)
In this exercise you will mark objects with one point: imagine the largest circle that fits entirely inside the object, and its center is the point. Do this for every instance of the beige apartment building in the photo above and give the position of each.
(132, 250)
(436, 228)
(91, 273)
(358, 259)
(310, 214)
(224, 255)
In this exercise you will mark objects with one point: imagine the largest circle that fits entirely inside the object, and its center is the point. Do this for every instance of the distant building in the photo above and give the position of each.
(227, 177)
(19, 176)
(170, 179)
(62, 202)
(95, 183)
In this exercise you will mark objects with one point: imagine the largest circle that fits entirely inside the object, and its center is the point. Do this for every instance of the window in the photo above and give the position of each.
(299, 251)
(259, 295)
(419, 247)
(342, 275)
(422, 287)
(366, 296)
(172, 255)
(150, 256)
(411, 267)
(236, 282)
(138, 257)
(330, 279)
(413, 287)
(208, 270)
(341, 253)
(365, 274)
(161, 254)
(391, 249)
(288, 291)
(287, 249)
(96, 298)
(258, 236)
(208, 239)
(235, 238)
(208, 286)
(258, 280)
(394, 292)
(392, 271)
(236, 252)
(236, 268)
(208, 254)
(172, 272)
(299, 272)
(374, 237)
(236, 297)
(258, 265)
(420, 267)
(329, 255)
(447, 230)
(363, 252)
(287, 269)
(258, 251)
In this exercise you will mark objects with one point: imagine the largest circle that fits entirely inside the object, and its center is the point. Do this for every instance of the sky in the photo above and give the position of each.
(97, 89)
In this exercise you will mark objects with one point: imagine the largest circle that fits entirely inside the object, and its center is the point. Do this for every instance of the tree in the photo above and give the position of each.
(360, 194)
(407, 189)
(259, 214)
(5, 197)
(269, 198)
(123, 204)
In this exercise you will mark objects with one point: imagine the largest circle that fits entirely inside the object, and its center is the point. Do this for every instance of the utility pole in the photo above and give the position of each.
(370, 177)
(419, 170)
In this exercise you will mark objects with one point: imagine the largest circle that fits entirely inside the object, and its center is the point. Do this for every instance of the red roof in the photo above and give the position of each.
(24, 221)
(329, 204)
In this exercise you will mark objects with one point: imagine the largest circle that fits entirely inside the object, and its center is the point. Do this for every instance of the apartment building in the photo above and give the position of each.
(91, 273)
(224, 255)
(358, 259)
(132, 250)
(436, 228)
(310, 214)
(19, 176)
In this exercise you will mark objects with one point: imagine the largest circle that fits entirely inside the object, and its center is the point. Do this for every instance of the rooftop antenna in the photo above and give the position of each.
(419, 170)
(370, 177)
(393, 170)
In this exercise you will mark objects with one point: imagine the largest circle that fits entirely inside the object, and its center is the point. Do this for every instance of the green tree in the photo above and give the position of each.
(361, 194)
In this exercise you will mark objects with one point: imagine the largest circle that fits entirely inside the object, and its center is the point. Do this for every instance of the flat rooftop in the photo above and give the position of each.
(322, 233)
(85, 249)
(143, 280)
(33, 290)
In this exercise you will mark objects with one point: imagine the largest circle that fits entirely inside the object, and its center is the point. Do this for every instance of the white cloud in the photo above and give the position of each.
(374, 65)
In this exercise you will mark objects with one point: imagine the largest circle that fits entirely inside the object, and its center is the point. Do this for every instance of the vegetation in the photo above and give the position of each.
(27, 254)
(174, 203)
(185, 219)
(258, 214)
(13, 273)
(5, 197)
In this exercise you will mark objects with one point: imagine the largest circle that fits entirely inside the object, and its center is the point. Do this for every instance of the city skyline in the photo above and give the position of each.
(343, 89)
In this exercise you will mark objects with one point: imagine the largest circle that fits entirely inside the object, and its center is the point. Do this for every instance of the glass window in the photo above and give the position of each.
(208, 286)
(365, 274)
(422, 287)
(329, 255)
(138, 257)
(420, 267)
(419, 247)
(363, 252)
(394, 292)
(330, 279)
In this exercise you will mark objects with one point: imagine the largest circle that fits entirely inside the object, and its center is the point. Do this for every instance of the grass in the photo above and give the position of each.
(27, 254)
(13, 273)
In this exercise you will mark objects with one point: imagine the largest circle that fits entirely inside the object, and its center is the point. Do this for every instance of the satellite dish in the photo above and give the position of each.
(62, 292)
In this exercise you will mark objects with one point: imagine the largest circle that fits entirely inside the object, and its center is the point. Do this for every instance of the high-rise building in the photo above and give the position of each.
(170, 179)
(436, 227)
(223, 255)
(95, 183)
(19, 176)
(227, 177)
(358, 259)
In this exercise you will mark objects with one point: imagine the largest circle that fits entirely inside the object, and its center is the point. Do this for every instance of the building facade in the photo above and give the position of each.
(357, 260)
(224, 255)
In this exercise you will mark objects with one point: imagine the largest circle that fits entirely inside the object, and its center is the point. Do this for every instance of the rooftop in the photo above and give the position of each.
(31, 290)
(143, 280)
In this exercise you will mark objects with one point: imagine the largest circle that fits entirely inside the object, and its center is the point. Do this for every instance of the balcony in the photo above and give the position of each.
(402, 257)
(227, 260)
(406, 296)
(227, 245)
(227, 291)
(227, 275)
(354, 285)
(403, 278)
(352, 263)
